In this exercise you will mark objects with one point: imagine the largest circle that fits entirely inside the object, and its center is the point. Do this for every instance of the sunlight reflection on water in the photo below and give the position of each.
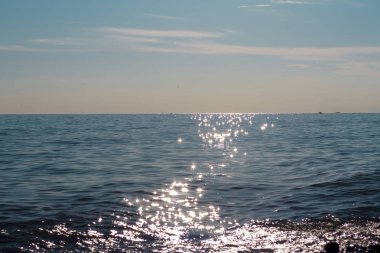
(177, 217)
(176, 213)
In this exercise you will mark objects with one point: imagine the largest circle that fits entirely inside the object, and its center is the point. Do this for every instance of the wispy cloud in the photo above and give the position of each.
(14, 48)
(194, 42)
(59, 41)
(290, 2)
(273, 3)
(188, 41)
(49, 45)
(300, 53)
(158, 16)
(299, 66)
(295, 2)
(132, 39)
(65, 44)
(203, 42)
(254, 6)
(263, 5)
(160, 33)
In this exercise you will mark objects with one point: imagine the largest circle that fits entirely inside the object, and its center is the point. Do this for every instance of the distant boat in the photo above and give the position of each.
(320, 113)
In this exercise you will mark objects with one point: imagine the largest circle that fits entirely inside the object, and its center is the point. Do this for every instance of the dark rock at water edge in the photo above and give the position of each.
(333, 247)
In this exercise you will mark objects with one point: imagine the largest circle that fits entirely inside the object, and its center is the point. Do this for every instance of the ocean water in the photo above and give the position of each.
(188, 183)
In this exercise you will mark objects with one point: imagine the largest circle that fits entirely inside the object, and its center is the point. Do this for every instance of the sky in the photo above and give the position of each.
(189, 56)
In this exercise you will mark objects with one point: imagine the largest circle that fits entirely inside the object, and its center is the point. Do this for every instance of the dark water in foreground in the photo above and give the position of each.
(188, 183)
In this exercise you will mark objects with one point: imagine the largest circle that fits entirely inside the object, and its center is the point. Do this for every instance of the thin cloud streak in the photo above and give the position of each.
(299, 2)
(113, 39)
(158, 16)
(340, 57)
(195, 42)
(27, 49)
(59, 41)
(131, 39)
(304, 53)
(160, 33)
(299, 66)
(14, 48)
(263, 5)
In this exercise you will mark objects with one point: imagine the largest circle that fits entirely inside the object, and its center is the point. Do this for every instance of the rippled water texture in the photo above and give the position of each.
(188, 183)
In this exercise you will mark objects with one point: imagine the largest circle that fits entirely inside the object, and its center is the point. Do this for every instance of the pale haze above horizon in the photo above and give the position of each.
(144, 56)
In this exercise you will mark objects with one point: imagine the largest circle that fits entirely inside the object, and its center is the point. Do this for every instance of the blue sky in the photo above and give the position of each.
(140, 56)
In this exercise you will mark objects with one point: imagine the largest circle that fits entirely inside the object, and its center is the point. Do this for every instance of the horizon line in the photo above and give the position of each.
(187, 113)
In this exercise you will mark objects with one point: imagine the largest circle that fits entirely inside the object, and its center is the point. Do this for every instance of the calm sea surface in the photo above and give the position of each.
(188, 183)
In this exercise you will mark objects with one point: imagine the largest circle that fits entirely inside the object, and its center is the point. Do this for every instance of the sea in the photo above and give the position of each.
(189, 182)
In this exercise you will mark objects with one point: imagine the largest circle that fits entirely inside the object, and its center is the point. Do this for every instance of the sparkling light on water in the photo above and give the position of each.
(178, 216)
